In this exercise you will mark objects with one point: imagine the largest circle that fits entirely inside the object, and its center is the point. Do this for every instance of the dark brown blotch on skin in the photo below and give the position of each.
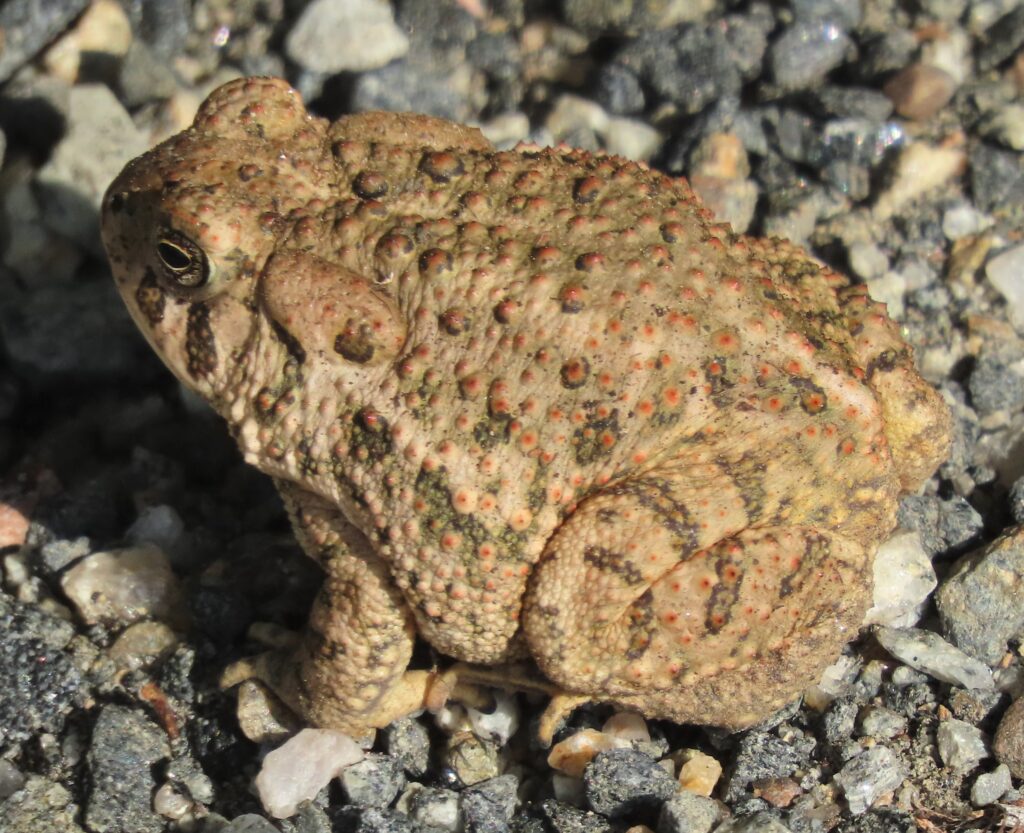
(151, 298)
(355, 342)
(200, 342)
(369, 185)
(441, 165)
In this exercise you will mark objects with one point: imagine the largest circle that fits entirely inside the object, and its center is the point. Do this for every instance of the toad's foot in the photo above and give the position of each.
(374, 708)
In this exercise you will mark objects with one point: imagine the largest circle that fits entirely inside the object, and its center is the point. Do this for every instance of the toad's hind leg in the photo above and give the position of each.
(638, 603)
(348, 670)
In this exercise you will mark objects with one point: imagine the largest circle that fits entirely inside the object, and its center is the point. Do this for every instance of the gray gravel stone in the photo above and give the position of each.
(762, 755)
(997, 381)
(946, 526)
(806, 51)
(40, 683)
(997, 180)
(880, 722)
(687, 812)
(869, 776)
(163, 24)
(125, 746)
(28, 25)
(980, 601)
(989, 787)
(961, 746)
(373, 782)
(620, 782)
(853, 102)
(11, 779)
(144, 76)
(564, 818)
(407, 741)
(100, 138)
(432, 807)
(345, 35)
(618, 90)
(838, 721)
(931, 654)
(416, 85)
(500, 793)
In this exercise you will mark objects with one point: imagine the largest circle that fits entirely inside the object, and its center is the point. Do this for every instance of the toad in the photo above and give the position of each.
(533, 407)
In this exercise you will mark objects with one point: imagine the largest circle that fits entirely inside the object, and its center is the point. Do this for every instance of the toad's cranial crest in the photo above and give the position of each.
(533, 406)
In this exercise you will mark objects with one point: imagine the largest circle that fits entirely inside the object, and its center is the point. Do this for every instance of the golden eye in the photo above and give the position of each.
(183, 261)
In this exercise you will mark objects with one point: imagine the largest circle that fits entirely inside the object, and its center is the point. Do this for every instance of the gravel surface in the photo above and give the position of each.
(137, 550)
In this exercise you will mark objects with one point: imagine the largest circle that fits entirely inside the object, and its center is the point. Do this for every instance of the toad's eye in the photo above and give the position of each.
(183, 261)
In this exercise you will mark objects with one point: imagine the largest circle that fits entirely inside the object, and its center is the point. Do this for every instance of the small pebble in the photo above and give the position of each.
(1006, 126)
(122, 586)
(431, 807)
(903, 580)
(142, 644)
(761, 755)
(374, 781)
(867, 260)
(1003, 272)
(931, 654)
(989, 787)
(806, 51)
(572, 754)
(686, 812)
(261, 716)
(627, 726)
(408, 741)
(996, 382)
(29, 25)
(880, 722)
(919, 168)
(869, 776)
(621, 782)
(980, 600)
(171, 804)
(961, 746)
(919, 91)
(486, 805)
(353, 36)
(11, 779)
(963, 220)
(124, 750)
(699, 772)
(471, 758)
(302, 766)
(100, 138)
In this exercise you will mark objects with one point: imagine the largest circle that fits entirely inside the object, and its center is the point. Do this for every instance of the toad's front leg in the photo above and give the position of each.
(349, 668)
